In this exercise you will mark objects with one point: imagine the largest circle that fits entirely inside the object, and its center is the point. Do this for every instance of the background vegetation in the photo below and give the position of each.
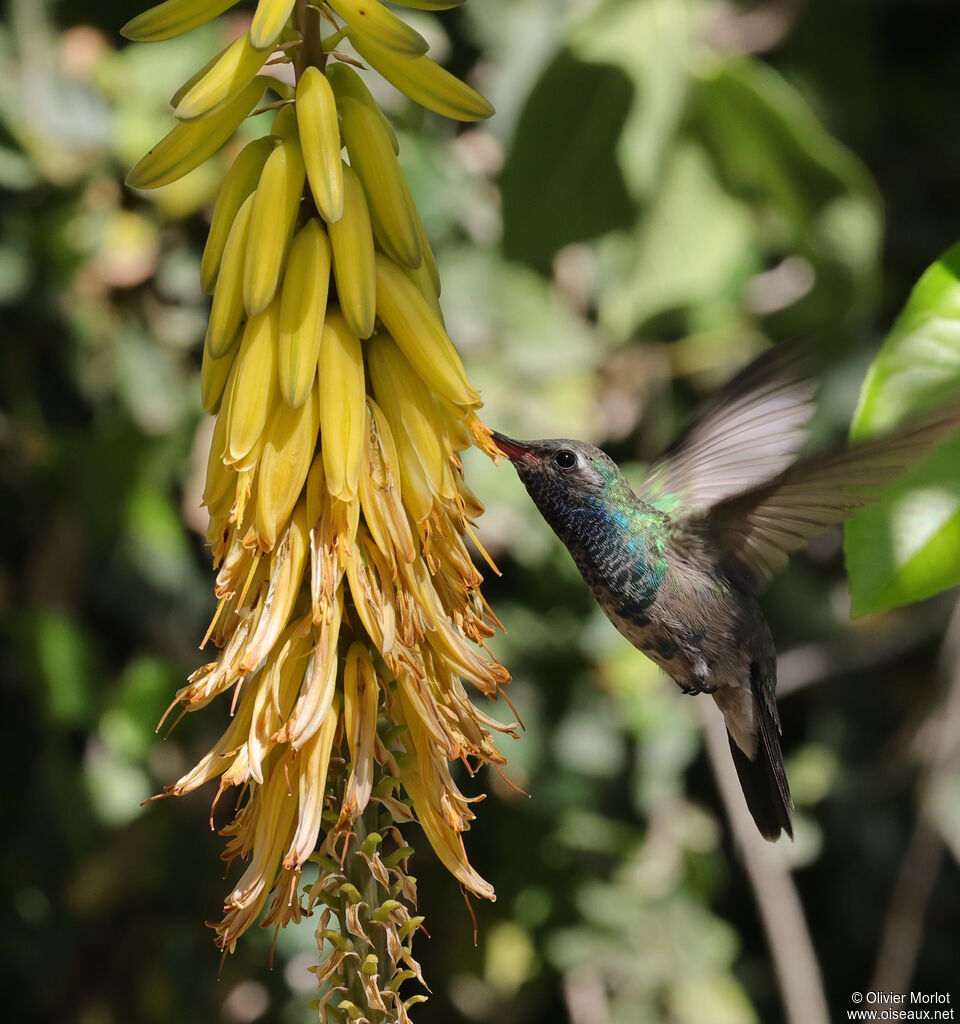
(665, 184)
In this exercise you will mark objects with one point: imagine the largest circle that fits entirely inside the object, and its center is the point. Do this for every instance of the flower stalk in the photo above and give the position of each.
(350, 621)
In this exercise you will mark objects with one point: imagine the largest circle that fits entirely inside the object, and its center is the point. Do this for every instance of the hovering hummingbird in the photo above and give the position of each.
(677, 564)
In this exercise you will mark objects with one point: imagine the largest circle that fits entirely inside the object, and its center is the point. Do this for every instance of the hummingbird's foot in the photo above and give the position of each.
(700, 680)
(699, 686)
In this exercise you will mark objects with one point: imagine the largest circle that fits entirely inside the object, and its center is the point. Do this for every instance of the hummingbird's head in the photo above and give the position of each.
(565, 478)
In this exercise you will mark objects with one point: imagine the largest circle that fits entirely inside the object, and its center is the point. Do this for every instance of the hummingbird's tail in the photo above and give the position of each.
(764, 779)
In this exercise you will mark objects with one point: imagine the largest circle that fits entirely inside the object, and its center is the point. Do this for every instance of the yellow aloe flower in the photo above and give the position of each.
(350, 617)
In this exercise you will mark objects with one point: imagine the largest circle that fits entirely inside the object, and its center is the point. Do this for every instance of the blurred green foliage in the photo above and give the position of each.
(666, 184)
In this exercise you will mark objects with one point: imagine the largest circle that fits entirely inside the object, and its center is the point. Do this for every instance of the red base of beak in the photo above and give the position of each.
(514, 449)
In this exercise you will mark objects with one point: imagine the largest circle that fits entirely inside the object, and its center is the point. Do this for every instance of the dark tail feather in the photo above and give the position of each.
(764, 780)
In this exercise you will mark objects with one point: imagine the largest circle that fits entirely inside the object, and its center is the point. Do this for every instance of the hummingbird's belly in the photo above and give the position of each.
(679, 613)
(680, 655)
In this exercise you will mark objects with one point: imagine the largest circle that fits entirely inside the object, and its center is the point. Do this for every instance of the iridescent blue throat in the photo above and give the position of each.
(618, 545)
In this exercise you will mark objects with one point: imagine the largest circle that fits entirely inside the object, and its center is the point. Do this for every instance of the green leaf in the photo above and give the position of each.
(918, 367)
(693, 242)
(907, 547)
(652, 42)
(561, 182)
(814, 196)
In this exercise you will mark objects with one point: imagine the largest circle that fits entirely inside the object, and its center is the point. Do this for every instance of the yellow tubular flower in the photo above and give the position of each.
(316, 111)
(264, 827)
(190, 144)
(342, 410)
(331, 544)
(290, 439)
(361, 695)
(318, 691)
(380, 494)
(414, 326)
(234, 69)
(239, 183)
(315, 758)
(410, 409)
(391, 207)
(349, 623)
(254, 384)
(187, 85)
(418, 497)
(173, 18)
(371, 19)
(268, 22)
(285, 122)
(353, 258)
(423, 81)
(286, 572)
(226, 312)
(373, 592)
(303, 305)
(276, 692)
(317, 494)
(213, 379)
(272, 219)
(446, 843)
(347, 83)
(211, 764)
(219, 478)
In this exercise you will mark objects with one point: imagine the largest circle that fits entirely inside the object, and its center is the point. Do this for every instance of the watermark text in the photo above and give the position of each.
(886, 1006)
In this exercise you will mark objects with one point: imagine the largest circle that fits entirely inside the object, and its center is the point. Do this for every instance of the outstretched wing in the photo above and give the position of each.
(758, 530)
(747, 433)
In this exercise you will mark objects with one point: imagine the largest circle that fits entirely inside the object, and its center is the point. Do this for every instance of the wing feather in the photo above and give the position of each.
(758, 530)
(747, 433)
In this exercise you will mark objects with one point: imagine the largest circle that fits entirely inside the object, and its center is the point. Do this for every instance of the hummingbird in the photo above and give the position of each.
(677, 565)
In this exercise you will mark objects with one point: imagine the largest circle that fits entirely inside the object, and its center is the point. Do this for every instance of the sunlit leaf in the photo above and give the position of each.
(907, 546)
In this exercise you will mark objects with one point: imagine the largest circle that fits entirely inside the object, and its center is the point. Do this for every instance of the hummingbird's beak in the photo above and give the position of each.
(514, 449)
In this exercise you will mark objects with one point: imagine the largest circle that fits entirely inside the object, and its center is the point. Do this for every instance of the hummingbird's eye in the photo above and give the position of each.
(565, 458)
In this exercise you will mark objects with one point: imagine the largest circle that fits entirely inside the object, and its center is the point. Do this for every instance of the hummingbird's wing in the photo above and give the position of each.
(743, 436)
(758, 530)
